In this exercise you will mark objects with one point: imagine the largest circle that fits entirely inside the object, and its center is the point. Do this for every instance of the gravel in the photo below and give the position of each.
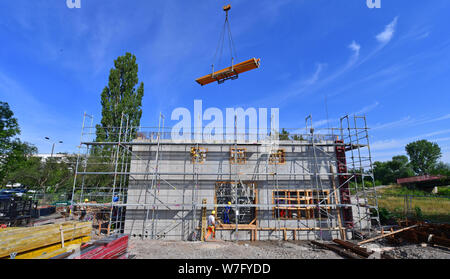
(414, 251)
(157, 249)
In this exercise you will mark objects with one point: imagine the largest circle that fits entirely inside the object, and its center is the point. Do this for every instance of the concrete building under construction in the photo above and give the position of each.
(308, 185)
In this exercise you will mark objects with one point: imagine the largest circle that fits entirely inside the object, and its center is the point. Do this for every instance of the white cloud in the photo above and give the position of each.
(321, 123)
(366, 109)
(402, 142)
(393, 124)
(303, 87)
(447, 116)
(355, 47)
(316, 74)
(386, 36)
(408, 121)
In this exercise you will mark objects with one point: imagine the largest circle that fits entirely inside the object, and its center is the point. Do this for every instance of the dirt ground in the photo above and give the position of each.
(158, 249)
(410, 251)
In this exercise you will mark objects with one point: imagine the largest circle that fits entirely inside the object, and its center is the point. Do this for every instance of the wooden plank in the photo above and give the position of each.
(17, 230)
(253, 227)
(239, 68)
(299, 229)
(204, 223)
(386, 234)
(58, 252)
(32, 231)
(338, 250)
(233, 227)
(353, 247)
(41, 251)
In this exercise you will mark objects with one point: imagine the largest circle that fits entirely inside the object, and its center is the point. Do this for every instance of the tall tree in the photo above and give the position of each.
(120, 96)
(9, 128)
(423, 155)
(13, 152)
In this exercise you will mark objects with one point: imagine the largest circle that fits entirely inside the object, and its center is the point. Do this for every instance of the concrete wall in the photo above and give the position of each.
(170, 196)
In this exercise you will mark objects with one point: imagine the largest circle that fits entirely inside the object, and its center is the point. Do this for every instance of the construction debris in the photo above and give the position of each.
(98, 214)
(435, 234)
(364, 252)
(353, 247)
(385, 235)
(341, 251)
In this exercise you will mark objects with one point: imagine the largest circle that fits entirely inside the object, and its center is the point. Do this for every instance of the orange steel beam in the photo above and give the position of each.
(230, 71)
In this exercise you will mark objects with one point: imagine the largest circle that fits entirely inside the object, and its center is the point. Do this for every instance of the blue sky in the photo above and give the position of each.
(391, 64)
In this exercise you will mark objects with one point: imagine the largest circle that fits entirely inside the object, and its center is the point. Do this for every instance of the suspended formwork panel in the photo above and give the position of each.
(230, 72)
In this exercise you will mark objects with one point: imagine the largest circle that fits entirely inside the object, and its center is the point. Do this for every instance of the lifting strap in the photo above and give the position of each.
(226, 30)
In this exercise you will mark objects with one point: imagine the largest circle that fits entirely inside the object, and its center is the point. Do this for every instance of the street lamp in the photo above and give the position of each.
(53, 146)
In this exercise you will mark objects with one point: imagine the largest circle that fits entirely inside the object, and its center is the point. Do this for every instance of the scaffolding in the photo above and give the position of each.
(128, 175)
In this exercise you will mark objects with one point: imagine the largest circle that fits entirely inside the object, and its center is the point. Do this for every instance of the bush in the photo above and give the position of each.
(444, 191)
(385, 215)
(418, 213)
(368, 184)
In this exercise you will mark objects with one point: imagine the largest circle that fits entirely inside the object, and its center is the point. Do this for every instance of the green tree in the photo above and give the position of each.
(297, 137)
(442, 169)
(13, 152)
(423, 155)
(401, 167)
(50, 176)
(16, 159)
(120, 96)
(9, 128)
(284, 135)
(388, 172)
(383, 173)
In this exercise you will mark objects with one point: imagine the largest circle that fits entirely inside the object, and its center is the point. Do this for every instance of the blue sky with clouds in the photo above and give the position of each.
(392, 64)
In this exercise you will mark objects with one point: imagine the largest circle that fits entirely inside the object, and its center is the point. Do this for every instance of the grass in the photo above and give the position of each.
(434, 209)
(443, 191)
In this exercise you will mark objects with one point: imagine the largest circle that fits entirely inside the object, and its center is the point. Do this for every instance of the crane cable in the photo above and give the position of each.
(220, 46)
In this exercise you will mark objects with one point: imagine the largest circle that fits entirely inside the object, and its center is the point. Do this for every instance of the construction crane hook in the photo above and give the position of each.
(234, 70)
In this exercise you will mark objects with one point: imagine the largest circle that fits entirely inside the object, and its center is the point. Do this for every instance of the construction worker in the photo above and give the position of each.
(226, 213)
(83, 210)
(211, 225)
